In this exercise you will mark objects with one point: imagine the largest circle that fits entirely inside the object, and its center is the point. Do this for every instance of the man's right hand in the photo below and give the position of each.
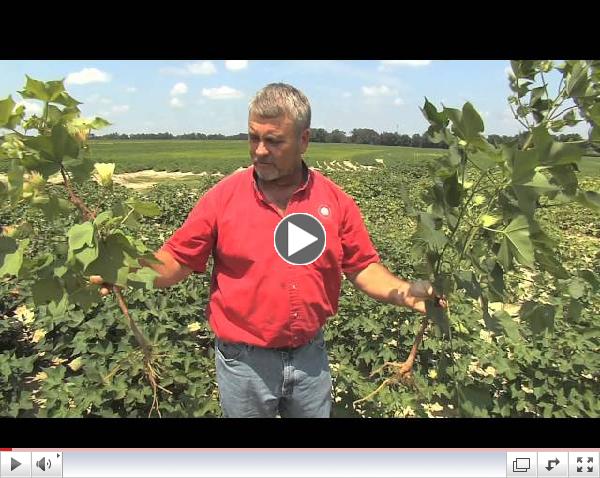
(105, 287)
(170, 272)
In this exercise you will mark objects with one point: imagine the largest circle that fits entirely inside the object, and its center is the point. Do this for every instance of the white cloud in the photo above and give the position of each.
(235, 65)
(131, 89)
(201, 68)
(398, 101)
(120, 109)
(179, 89)
(197, 68)
(346, 94)
(221, 93)
(381, 90)
(87, 75)
(32, 107)
(96, 98)
(176, 103)
(389, 64)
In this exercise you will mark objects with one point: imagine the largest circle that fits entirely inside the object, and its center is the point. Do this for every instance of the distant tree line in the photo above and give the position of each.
(356, 136)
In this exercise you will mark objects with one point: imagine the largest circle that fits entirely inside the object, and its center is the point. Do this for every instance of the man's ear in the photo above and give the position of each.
(304, 138)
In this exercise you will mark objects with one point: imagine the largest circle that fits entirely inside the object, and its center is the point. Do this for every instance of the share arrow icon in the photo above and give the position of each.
(550, 467)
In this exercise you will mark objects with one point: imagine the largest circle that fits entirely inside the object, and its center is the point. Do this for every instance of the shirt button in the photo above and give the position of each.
(293, 286)
(295, 315)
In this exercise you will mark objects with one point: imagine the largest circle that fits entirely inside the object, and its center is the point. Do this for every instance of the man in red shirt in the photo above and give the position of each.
(266, 311)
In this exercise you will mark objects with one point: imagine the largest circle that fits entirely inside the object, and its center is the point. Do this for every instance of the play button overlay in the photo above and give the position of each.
(14, 464)
(299, 239)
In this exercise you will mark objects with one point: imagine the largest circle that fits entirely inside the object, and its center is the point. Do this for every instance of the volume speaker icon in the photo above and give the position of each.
(43, 463)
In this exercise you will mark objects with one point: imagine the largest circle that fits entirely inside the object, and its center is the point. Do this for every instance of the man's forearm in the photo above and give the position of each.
(380, 284)
(170, 271)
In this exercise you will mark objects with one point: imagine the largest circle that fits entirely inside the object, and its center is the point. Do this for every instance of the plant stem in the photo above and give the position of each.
(460, 215)
(88, 215)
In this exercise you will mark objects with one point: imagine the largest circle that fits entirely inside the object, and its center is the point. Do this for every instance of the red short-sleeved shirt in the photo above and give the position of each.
(256, 297)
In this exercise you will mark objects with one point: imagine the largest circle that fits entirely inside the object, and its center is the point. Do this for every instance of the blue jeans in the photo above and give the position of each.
(257, 382)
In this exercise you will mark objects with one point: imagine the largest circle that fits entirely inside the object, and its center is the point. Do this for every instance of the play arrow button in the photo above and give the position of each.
(14, 464)
(299, 239)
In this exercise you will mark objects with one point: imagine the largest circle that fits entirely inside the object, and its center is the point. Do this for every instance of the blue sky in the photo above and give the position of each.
(212, 96)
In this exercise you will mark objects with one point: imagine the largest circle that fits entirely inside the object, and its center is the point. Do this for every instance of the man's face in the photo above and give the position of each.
(275, 148)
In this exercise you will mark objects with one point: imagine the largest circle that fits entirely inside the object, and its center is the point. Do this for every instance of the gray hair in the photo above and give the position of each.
(281, 99)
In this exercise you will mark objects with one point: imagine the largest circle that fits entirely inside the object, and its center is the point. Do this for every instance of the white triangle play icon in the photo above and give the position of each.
(298, 239)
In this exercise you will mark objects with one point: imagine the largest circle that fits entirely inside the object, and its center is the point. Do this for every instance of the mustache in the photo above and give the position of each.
(262, 162)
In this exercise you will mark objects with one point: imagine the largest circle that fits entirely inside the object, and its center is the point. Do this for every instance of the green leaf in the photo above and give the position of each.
(47, 290)
(539, 183)
(428, 232)
(54, 89)
(16, 118)
(81, 235)
(58, 309)
(85, 297)
(11, 258)
(35, 89)
(471, 122)
(54, 114)
(570, 118)
(143, 207)
(8, 248)
(563, 153)
(537, 94)
(66, 100)
(43, 144)
(564, 176)
(111, 259)
(455, 116)
(143, 278)
(87, 255)
(15, 181)
(80, 169)
(576, 288)
(6, 109)
(590, 199)
(544, 253)
(103, 217)
(577, 80)
(508, 326)
(452, 191)
(504, 255)
(467, 280)
(475, 400)
(590, 278)
(523, 68)
(438, 317)
(516, 238)
(496, 283)
(435, 117)
(52, 206)
(98, 123)
(43, 165)
(523, 164)
(63, 143)
(574, 310)
(554, 153)
(539, 316)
